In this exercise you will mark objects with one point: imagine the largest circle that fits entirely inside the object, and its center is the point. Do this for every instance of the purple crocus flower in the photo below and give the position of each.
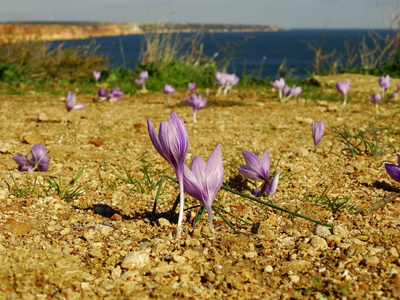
(35, 160)
(220, 79)
(115, 93)
(172, 143)
(168, 90)
(296, 90)
(278, 84)
(287, 91)
(394, 170)
(203, 180)
(384, 82)
(375, 99)
(96, 75)
(317, 132)
(196, 103)
(140, 81)
(257, 168)
(144, 75)
(191, 86)
(343, 87)
(70, 102)
(102, 94)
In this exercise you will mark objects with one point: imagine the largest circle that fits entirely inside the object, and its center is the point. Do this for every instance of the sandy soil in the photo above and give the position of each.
(105, 244)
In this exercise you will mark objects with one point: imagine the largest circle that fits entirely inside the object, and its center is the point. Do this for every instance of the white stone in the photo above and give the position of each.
(136, 260)
(322, 231)
(319, 242)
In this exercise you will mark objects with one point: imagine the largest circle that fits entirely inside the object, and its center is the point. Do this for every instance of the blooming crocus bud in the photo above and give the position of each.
(168, 89)
(204, 179)
(287, 91)
(35, 160)
(278, 84)
(296, 90)
(317, 132)
(102, 94)
(144, 75)
(384, 82)
(375, 99)
(191, 86)
(96, 75)
(196, 103)
(172, 143)
(140, 81)
(393, 170)
(343, 87)
(258, 168)
(221, 78)
(115, 93)
(70, 102)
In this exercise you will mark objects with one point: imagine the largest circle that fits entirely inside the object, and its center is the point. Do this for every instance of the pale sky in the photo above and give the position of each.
(281, 13)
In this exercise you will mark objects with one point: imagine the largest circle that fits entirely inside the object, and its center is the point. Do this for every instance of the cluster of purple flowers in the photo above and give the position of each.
(203, 179)
(115, 93)
(285, 91)
(225, 82)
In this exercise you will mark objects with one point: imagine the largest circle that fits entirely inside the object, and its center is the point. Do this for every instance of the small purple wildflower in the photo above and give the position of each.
(384, 82)
(343, 87)
(204, 179)
(196, 103)
(70, 102)
(102, 94)
(35, 160)
(317, 132)
(279, 85)
(115, 93)
(375, 99)
(394, 170)
(96, 75)
(257, 168)
(191, 86)
(168, 90)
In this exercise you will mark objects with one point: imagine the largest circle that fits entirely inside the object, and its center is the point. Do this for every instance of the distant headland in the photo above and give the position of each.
(49, 31)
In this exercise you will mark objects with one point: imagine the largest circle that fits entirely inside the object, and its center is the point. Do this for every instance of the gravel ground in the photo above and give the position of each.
(106, 244)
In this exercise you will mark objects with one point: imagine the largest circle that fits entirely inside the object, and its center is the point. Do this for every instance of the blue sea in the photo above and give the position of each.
(258, 53)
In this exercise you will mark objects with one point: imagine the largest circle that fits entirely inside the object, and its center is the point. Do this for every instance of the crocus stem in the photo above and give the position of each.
(194, 117)
(377, 108)
(181, 196)
(276, 207)
(280, 95)
(210, 220)
(345, 100)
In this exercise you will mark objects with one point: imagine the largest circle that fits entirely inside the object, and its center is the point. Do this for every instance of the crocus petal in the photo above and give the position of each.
(257, 168)
(317, 132)
(273, 185)
(154, 138)
(214, 174)
(192, 185)
(38, 152)
(78, 106)
(21, 160)
(393, 171)
(70, 101)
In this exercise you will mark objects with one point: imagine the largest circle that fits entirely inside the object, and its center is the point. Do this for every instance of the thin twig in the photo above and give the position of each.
(381, 203)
